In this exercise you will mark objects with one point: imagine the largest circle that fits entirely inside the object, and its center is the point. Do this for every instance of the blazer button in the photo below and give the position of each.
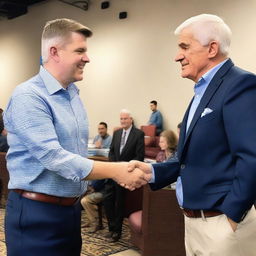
(182, 166)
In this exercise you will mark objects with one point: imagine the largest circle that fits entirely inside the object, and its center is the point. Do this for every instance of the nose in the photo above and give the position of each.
(179, 57)
(85, 58)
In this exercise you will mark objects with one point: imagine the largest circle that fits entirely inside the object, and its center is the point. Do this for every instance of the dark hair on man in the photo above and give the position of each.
(179, 125)
(105, 124)
(153, 102)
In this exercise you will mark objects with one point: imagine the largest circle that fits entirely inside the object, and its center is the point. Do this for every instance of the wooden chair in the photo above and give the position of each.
(4, 179)
(159, 228)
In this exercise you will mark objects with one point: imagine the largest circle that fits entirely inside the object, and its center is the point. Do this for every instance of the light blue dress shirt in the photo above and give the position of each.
(106, 141)
(48, 136)
(156, 119)
(199, 89)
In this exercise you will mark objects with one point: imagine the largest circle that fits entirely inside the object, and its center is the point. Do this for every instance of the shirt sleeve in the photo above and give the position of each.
(30, 119)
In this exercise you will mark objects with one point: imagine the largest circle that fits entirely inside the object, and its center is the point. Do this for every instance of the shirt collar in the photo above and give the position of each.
(128, 130)
(206, 78)
(52, 84)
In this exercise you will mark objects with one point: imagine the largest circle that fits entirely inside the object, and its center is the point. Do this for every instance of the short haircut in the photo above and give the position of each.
(206, 28)
(56, 31)
(126, 111)
(105, 124)
(153, 102)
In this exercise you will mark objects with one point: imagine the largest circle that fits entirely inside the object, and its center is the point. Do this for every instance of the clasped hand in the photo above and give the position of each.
(134, 175)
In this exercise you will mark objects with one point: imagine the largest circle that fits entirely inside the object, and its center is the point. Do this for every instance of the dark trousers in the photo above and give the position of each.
(34, 228)
(114, 205)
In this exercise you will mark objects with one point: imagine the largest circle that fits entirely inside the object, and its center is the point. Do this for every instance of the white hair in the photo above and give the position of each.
(56, 32)
(126, 111)
(206, 28)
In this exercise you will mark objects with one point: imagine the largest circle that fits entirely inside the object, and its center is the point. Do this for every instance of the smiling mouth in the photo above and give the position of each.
(183, 65)
(81, 66)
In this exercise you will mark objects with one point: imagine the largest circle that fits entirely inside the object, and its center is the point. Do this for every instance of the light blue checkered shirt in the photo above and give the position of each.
(48, 136)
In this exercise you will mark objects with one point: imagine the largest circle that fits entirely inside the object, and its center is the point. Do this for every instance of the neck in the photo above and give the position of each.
(56, 74)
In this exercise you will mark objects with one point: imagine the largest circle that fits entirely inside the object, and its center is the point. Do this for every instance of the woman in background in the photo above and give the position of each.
(168, 144)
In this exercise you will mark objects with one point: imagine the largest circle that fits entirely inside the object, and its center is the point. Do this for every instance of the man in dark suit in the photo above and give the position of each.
(127, 144)
(216, 171)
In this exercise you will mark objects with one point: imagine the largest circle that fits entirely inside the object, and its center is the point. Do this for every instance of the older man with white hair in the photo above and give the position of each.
(216, 171)
(127, 144)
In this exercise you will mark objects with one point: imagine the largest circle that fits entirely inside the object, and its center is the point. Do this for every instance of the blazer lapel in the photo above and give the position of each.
(118, 141)
(210, 91)
(128, 141)
(182, 136)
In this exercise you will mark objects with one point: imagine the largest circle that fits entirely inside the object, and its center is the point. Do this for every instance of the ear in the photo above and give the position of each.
(213, 49)
(53, 53)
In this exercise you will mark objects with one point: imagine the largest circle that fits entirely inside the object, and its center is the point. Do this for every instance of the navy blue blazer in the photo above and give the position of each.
(217, 156)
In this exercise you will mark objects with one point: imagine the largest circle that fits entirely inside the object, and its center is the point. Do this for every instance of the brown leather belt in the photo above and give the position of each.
(65, 201)
(200, 213)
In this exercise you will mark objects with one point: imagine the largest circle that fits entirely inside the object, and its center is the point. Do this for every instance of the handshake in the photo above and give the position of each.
(133, 174)
(130, 175)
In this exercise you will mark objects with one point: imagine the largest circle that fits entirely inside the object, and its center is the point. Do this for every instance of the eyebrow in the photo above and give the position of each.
(183, 45)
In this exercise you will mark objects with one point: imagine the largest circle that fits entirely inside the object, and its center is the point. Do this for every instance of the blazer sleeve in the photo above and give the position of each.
(111, 154)
(240, 126)
(140, 146)
(165, 174)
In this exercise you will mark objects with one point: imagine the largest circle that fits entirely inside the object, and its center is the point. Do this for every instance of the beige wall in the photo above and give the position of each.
(131, 60)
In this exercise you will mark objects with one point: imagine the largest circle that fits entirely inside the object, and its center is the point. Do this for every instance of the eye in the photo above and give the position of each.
(81, 50)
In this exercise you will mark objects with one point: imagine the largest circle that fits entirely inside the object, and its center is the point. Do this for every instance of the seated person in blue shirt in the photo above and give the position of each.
(103, 139)
(90, 201)
(156, 117)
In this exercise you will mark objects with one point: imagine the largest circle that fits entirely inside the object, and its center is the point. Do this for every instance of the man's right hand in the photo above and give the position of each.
(141, 169)
(145, 167)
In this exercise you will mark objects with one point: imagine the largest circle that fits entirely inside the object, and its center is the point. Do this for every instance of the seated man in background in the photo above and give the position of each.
(3, 136)
(90, 203)
(103, 139)
(156, 117)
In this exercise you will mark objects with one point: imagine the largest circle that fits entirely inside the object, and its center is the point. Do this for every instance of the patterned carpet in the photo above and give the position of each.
(93, 244)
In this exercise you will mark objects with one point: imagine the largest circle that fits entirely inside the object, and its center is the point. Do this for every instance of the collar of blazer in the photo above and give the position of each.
(210, 91)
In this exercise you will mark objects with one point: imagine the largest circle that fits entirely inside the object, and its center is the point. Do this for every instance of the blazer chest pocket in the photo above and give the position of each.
(209, 118)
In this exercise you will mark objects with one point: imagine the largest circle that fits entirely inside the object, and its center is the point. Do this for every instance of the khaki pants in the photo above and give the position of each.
(215, 237)
(89, 203)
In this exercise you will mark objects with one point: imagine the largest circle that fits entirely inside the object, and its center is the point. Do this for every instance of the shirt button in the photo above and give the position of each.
(182, 166)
